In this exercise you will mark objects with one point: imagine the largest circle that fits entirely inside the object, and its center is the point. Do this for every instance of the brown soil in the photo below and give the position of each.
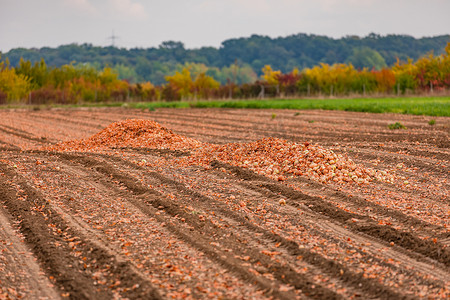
(234, 204)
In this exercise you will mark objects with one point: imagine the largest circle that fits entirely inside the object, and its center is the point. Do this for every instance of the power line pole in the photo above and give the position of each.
(113, 38)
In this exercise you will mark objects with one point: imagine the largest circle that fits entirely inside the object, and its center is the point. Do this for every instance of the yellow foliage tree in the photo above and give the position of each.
(15, 86)
(335, 79)
(182, 83)
(269, 75)
(405, 75)
(148, 91)
(204, 85)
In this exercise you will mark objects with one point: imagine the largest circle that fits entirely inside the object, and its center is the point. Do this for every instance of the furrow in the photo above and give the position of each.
(359, 202)
(27, 136)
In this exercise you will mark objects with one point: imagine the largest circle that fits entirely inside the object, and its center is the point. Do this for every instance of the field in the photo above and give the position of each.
(219, 203)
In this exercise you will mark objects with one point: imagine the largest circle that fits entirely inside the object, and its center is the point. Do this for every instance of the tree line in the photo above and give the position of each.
(38, 83)
(248, 55)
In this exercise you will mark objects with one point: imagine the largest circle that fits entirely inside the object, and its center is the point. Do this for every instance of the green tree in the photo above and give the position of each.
(126, 73)
(366, 58)
(235, 72)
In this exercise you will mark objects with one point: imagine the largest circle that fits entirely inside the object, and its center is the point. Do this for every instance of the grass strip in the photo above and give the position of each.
(430, 106)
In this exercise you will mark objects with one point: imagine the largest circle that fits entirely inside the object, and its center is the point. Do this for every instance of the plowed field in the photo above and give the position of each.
(223, 204)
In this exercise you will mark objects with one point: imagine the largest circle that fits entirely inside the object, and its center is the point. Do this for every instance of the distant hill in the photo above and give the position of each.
(282, 53)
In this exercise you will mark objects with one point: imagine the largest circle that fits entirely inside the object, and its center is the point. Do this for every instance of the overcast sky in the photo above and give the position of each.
(197, 23)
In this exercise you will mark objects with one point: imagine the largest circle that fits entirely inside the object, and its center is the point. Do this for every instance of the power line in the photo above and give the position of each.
(113, 38)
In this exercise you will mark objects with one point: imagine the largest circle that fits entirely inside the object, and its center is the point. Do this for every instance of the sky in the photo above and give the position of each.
(198, 23)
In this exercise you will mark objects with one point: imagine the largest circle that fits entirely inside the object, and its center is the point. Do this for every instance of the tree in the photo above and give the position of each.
(126, 73)
(385, 79)
(37, 74)
(283, 53)
(289, 81)
(366, 58)
(171, 45)
(182, 83)
(270, 76)
(237, 73)
(204, 85)
(195, 69)
(15, 86)
(405, 75)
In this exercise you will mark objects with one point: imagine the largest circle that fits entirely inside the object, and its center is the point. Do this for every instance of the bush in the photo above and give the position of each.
(170, 94)
(396, 125)
(3, 97)
(46, 95)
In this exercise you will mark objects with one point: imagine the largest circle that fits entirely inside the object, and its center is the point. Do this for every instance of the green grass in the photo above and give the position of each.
(430, 106)
(153, 105)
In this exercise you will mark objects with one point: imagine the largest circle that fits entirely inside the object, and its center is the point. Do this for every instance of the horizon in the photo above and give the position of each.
(207, 23)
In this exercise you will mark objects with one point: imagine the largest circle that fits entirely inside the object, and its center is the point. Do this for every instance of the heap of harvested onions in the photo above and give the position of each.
(272, 157)
(279, 159)
(134, 133)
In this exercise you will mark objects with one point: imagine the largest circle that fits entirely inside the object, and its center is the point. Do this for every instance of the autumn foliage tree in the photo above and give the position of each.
(38, 84)
(405, 76)
(205, 85)
(288, 82)
(74, 83)
(270, 76)
(13, 86)
(433, 72)
(186, 88)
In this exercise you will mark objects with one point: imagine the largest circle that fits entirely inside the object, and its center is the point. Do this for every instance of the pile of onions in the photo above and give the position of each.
(280, 159)
(272, 157)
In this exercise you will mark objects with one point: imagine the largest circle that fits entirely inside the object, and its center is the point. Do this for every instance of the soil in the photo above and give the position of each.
(223, 204)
